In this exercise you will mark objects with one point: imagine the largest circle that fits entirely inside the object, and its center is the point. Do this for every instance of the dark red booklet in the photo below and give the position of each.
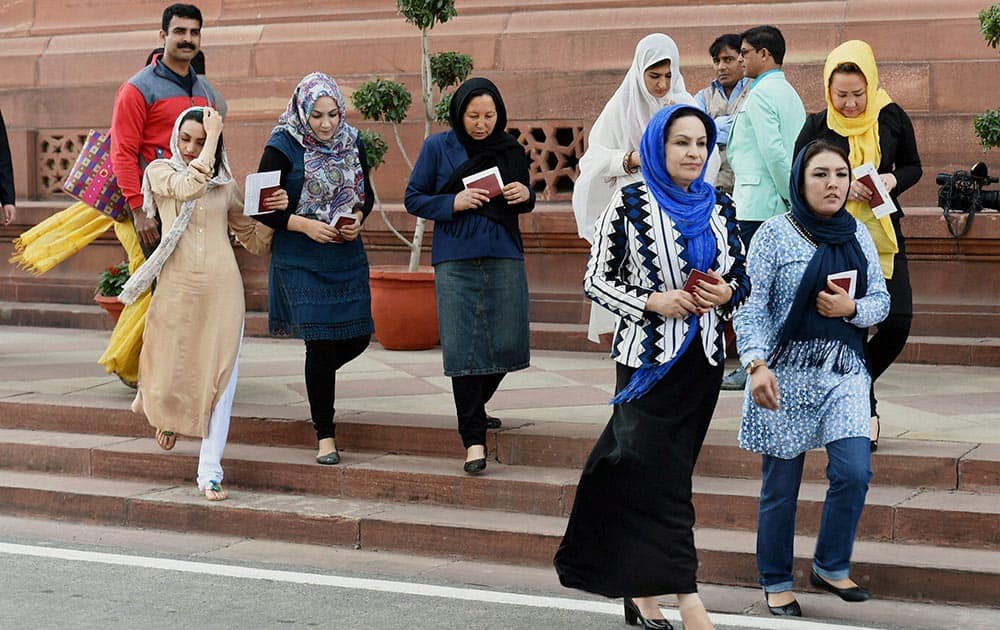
(339, 222)
(264, 194)
(488, 180)
(692, 280)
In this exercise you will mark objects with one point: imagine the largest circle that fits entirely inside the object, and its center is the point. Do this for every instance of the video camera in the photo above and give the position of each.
(962, 193)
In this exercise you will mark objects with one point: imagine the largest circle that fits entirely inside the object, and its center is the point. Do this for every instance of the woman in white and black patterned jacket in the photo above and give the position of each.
(630, 532)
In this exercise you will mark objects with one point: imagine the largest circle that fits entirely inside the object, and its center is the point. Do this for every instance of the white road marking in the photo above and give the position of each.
(389, 586)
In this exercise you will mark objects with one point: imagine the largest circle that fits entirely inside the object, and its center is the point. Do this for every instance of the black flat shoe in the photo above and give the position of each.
(634, 618)
(791, 609)
(493, 423)
(878, 431)
(330, 459)
(476, 466)
(853, 594)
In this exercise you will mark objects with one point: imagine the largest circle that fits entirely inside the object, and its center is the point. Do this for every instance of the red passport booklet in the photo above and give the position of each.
(876, 197)
(692, 280)
(340, 221)
(264, 194)
(846, 280)
(488, 180)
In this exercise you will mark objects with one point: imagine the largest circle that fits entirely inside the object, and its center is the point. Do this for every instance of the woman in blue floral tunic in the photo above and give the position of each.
(801, 337)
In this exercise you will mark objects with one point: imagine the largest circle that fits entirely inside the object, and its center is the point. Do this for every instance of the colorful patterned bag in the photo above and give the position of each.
(92, 180)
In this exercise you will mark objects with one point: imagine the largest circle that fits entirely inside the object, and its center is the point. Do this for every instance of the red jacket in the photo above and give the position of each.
(146, 107)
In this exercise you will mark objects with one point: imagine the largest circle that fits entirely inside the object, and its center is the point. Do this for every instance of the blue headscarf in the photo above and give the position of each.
(807, 339)
(690, 211)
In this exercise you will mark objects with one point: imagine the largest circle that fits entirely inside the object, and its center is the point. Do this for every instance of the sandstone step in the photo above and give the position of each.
(946, 320)
(890, 570)
(975, 351)
(901, 514)
(906, 463)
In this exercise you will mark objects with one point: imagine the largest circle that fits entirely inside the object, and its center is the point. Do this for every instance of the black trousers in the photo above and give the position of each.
(323, 358)
(890, 339)
(471, 395)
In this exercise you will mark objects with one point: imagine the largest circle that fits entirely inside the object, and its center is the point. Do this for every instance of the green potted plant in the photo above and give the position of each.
(109, 285)
(408, 290)
(987, 124)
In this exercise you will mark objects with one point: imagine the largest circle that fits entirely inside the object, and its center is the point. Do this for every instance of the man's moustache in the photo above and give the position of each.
(188, 46)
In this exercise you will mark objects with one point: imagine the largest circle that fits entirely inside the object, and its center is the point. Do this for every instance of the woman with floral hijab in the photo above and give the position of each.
(318, 283)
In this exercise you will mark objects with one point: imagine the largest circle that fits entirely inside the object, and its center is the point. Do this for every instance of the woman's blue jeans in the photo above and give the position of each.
(848, 470)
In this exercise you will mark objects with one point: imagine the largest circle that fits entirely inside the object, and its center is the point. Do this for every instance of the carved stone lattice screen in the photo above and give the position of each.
(554, 148)
(57, 151)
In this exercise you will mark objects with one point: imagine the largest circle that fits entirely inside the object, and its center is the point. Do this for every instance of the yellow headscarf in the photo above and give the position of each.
(862, 138)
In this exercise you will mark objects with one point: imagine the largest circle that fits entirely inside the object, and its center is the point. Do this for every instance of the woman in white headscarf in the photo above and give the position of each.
(188, 363)
(612, 158)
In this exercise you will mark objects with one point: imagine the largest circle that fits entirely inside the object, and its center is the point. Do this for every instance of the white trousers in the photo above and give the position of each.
(212, 447)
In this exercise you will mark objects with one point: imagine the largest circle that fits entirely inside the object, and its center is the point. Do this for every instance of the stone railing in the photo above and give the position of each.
(57, 151)
(554, 148)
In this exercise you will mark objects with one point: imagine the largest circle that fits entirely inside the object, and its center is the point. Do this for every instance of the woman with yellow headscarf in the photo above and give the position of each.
(861, 117)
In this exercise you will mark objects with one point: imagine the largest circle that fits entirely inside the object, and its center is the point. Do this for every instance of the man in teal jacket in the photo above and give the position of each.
(762, 141)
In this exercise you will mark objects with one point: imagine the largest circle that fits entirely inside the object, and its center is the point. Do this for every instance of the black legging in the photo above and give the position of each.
(886, 344)
(471, 395)
(323, 358)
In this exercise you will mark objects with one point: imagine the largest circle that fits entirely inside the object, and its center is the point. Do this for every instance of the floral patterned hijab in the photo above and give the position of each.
(334, 181)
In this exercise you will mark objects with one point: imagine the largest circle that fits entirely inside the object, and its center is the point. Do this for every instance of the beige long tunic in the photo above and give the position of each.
(196, 314)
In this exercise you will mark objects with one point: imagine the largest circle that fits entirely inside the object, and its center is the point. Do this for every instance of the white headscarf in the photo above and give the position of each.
(617, 130)
(150, 269)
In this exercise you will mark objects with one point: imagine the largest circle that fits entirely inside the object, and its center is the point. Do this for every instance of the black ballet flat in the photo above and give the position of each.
(476, 466)
(493, 423)
(634, 618)
(853, 594)
(330, 459)
(878, 432)
(788, 610)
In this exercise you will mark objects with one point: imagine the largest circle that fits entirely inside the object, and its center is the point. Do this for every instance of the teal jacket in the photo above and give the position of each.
(761, 147)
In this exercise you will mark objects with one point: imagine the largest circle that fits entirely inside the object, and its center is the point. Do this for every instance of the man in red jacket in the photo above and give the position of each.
(147, 105)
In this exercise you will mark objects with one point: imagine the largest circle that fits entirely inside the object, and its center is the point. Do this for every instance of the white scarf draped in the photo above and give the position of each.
(150, 269)
(618, 130)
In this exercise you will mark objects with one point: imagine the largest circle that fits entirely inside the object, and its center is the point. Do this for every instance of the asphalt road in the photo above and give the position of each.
(77, 588)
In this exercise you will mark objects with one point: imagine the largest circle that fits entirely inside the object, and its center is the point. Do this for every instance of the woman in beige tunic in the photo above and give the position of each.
(188, 364)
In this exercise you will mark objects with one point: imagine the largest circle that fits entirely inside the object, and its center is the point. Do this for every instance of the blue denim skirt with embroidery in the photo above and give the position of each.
(482, 315)
(318, 290)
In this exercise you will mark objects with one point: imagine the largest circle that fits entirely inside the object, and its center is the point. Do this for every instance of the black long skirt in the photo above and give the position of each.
(630, 532)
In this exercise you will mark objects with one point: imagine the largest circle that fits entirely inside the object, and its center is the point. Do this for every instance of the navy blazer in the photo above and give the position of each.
(440, 155)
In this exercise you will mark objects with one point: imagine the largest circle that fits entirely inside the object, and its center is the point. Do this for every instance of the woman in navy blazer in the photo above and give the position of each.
(480, 282)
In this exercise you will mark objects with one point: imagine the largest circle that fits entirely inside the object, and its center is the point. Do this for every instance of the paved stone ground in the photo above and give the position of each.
(918, 402)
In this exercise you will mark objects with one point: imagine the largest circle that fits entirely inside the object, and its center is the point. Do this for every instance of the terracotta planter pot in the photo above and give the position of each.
(404, 308)
(111, 305)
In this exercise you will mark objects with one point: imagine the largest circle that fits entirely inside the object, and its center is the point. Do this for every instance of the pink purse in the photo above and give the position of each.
(92, 180)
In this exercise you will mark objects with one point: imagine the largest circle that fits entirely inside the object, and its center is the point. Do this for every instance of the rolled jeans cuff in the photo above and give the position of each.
(830, 576)
(780, 587)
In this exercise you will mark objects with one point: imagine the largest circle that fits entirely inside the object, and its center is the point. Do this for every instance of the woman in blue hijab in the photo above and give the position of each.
(668, 262)
(801, 338)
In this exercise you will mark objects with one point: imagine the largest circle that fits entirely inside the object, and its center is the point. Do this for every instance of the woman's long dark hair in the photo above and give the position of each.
(198, 115)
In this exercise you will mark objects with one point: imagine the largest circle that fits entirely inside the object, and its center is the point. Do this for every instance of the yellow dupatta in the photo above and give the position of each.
(863, 139)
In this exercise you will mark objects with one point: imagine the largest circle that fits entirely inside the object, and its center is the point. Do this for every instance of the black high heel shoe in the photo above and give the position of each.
(788, 610)
(878, 431)
(634, 618)
(852, 594)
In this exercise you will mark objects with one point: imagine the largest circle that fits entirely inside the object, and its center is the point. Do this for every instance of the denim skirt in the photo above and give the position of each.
(318, 290)
(482, 315)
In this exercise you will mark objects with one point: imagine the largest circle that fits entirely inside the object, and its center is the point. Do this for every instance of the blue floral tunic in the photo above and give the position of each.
(816, 405)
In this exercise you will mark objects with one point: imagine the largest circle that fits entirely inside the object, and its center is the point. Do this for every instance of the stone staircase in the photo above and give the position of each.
(930, 532)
